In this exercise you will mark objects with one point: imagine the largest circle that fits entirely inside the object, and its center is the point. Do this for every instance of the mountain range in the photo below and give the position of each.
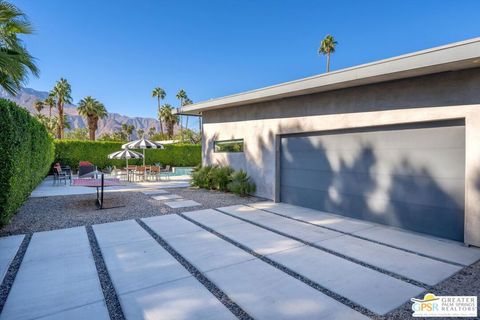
(26, 98)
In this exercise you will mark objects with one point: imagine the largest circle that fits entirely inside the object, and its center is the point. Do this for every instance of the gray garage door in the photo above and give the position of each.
(409, 176)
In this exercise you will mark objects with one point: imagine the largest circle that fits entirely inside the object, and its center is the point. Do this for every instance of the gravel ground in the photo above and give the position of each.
(50, 213)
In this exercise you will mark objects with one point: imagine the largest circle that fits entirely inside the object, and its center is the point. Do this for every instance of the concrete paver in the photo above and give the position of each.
(182, 204)
(167, 197)
(433, 247)
(8, 249)
(145, 277)
(260, 289)
(55, 276)
(316, 217)
(291, 227)
(403, 263)
(371, 289)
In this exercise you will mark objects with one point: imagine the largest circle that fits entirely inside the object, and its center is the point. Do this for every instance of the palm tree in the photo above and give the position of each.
(160, 94)
(38, 105)
(15, 61)
(92, 110)
(151, 131)
(128, 129)
(182, 96)
(50, 102)
(62, 93)
(140, 133)
(327, 47)
(170, 119)
(186, 102)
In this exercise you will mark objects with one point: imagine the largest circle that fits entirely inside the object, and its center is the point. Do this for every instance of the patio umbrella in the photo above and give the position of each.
(125, 154)
(143, 144)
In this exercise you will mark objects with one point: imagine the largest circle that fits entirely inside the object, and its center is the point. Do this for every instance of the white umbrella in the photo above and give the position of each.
(125, 154)
(143, 144)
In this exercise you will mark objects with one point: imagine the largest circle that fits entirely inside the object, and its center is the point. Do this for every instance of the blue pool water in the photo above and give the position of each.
(182, 171)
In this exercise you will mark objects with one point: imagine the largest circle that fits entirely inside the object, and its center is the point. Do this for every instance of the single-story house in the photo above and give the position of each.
(395, 142)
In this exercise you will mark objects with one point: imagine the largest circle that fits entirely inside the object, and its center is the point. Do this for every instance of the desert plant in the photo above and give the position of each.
(221, 177)
(241, 184)
(92, 110)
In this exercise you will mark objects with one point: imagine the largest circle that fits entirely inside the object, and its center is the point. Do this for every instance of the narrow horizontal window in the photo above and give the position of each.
(229, 145)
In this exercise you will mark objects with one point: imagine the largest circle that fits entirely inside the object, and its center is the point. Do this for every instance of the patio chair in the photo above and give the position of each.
(155, 172)
(140, 172)
(167, 171)
(59, 174)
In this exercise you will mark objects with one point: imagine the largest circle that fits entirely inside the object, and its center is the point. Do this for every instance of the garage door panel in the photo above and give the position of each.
(407, 176)
(428, 162)
(397, 137)
(410, 189)
(436, 221)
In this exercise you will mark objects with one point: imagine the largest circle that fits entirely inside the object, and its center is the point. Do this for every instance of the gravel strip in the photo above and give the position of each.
(360, 237)
(216, 291)
(288, 271)
(109, 293)
(316, 246)
(58, 212)
(12, 271)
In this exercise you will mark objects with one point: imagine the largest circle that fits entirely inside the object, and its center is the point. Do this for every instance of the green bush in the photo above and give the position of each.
(241, 184)
(26, 156)
(221, 177)
(71, 152)
(224, 179)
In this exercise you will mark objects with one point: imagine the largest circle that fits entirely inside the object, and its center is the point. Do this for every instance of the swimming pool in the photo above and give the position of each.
(181, 171)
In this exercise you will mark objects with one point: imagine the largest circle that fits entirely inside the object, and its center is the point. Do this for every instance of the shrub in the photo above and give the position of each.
(241, 184)
(224, 179)
(71, 152)
(201, 177)
(26, 156)
(221, 177)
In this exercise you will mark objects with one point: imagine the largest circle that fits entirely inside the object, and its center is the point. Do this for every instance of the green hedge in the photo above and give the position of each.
(71, 152)
(26, 154)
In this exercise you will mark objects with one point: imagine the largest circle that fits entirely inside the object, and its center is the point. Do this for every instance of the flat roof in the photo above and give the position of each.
(454, 56)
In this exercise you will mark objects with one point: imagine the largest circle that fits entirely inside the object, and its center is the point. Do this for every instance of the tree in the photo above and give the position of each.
(50, 102)
(170, 119)
(140, 133)
(327, 47)
(160, 94)
(128, 130)
(182, 96)
(62, 93)
(114, 136)
(151, 131)
(186, 102)
(77, 134)
(92, 110)
(15, 61)
(38, 105)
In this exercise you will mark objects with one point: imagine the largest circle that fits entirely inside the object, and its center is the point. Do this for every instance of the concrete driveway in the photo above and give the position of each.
(263, 261)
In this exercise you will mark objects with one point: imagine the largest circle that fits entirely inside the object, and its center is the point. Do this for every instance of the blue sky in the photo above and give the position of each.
(117, 51)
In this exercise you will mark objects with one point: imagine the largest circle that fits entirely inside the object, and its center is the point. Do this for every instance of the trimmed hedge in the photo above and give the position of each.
(71, 152)
(26, 154)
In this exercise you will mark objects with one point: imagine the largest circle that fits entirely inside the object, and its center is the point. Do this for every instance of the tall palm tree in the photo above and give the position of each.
(62, 93)
(186, 102)
(160, 94)
(151, 131)
(15, 61)
(181, 95)
(170, 119)
(327, 47)
(50, 102)
(140, 133)
(38, 105)
(128, 129)
(92, 110)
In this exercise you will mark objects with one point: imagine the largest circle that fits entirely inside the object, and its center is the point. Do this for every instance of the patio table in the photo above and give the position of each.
(100, 184)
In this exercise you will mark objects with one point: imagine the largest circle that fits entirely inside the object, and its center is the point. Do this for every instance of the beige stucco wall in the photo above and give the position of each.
(444, 96)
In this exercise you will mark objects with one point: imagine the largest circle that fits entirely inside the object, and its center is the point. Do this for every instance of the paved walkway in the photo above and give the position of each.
(263, 261)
